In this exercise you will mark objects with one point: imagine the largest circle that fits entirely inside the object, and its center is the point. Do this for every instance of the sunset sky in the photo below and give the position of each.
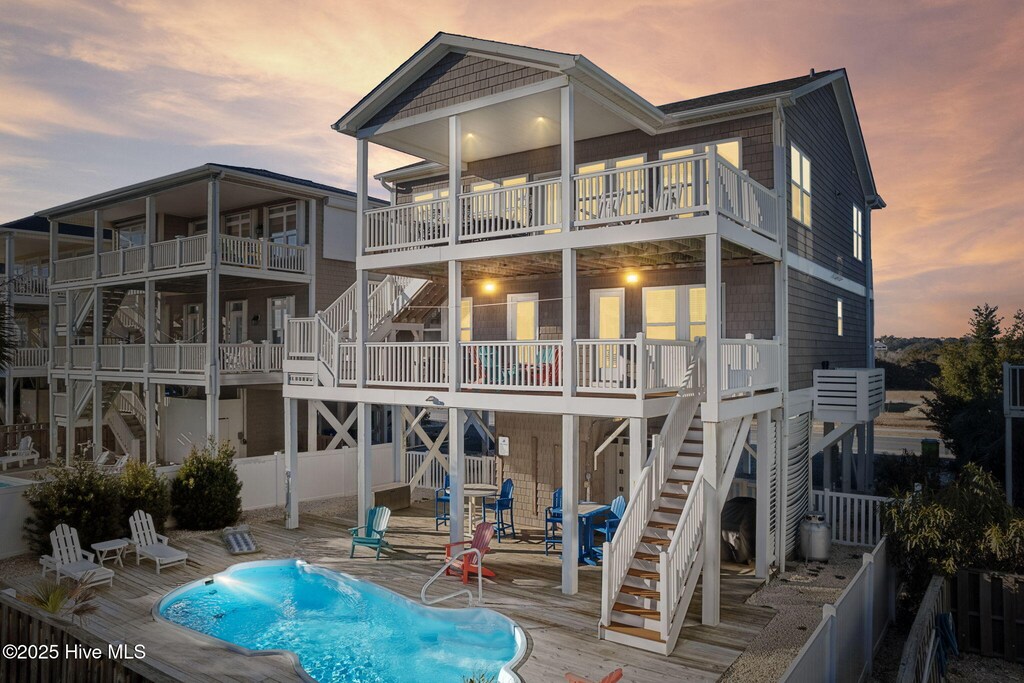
(95, 95)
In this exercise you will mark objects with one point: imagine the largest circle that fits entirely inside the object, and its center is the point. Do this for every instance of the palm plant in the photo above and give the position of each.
(68, 602)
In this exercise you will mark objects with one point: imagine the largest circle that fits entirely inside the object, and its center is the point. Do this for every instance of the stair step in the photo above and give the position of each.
(636, 611)
(636, 631)
(655, 524)
(640, 591)
(643, 574)
(669, 511)
(654, 540)
(646, 557)
(677, 496)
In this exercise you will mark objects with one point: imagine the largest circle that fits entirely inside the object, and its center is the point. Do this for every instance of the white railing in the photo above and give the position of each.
(77, 268)
(346, 373)
(848, 395)
(515, 365)
(31, 285)
(407, 226)
(122, 433)
(919, 662)
(301, 336)
(340, 315)
(461, 591)
(31, 357)
(843, 645)
(129, 402)
(1013, 390)
(122, 261)
(422, 364)
(746, 201)
(666, 363)
(679, 566)
(750, 365)
(288, 258)
(122, 356)
(82, 357)
(520, 209)
(855, 518)
(60, 356)
(327, 348)
(657, 189)
(479, 470)
(617, 555)
(181, 251)
(385, 300)
(60, 405)
(250, 357)
(187, 358)
(243, 252)
(617, 366)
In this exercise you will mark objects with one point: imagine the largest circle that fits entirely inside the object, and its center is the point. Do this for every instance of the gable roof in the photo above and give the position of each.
(643, 114)
(37, 225)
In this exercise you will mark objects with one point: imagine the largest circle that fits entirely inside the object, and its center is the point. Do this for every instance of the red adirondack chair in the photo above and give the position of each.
(468, 564)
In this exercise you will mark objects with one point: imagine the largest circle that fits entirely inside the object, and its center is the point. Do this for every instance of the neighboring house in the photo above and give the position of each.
(639, 294)
(26, 292)
(171, 320)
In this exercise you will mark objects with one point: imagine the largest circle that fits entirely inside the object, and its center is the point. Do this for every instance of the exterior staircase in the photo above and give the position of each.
(653, 564)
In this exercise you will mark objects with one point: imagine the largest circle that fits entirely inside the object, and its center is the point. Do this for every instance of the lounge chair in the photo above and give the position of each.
(470, 563)
(23, 453)
(117, 467)
(500, 505)
(239, 540)
(103, 458)
(372, 535)
(68, 559)
(146, 542)
(613, 677)
(553, 522)
(442, 504)
(611, 522)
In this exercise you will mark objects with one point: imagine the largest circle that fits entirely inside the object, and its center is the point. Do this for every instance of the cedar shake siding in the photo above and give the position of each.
(457, 78)
(815, 125)
(755, 133)
(812, 329)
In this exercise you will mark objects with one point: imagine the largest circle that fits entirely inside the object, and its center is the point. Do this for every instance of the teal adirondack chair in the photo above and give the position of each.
(372, 535)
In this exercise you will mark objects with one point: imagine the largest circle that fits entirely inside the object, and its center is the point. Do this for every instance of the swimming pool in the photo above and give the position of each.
(343, 630)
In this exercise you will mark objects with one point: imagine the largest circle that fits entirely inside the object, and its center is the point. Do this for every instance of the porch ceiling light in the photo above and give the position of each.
(490, 287)
(632, 278)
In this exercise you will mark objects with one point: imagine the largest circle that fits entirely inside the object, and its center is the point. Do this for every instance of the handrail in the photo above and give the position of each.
(469, 593)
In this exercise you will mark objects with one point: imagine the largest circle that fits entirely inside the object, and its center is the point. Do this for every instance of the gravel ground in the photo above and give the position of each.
(977, 669)
(797, 596)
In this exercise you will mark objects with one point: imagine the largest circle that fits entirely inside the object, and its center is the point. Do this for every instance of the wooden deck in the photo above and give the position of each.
(562, 630)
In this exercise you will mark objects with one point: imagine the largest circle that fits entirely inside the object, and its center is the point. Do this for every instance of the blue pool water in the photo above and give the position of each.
(343, 630)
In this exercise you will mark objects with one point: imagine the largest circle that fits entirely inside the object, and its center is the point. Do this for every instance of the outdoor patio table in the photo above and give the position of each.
(111, 550)
(473, 492)
(588, 512)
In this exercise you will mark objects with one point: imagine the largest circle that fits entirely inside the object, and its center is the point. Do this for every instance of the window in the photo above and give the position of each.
(466, 319)
(282, 224)
(858, 234)
(193, 324)
(522, 316)
(839, 317)
(677, 312)
(278, 308)
(132, 234)
(237, 224)
(235, 319)
(800, 185)
(678, 181)
(429, 196)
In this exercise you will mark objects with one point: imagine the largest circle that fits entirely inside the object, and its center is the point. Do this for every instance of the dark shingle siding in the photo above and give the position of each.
(457, 78)
(812, 328)
(815, 125)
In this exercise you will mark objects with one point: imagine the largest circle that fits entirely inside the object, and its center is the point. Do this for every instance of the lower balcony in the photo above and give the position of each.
(637, 367)
(29, 362)
(179, 359)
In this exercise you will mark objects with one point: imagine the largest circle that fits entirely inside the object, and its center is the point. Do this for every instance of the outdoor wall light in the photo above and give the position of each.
(632, 278)
(490, 287)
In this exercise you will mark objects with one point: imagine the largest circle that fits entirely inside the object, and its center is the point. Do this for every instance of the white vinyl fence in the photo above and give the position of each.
(479, 470)
(14, 510)
(843, 645)
(856, 519)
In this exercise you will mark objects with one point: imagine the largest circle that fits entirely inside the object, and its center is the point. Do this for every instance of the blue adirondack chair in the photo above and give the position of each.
(442, 504)
(372, 534)
(501, 505)
(553, 521)
(611, 522)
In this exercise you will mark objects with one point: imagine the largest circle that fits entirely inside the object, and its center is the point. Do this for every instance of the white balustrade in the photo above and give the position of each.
(301, 337)
(749, 365)
(511, 365)
(855, 518)
(606, 366)
(241, 251)
(82, 357)
(346, 373)
(28, 284)
(73, 269)
(407, 226)
(122, 356)
(250, 357)
(180, 358)
(746, 201)
(421, 364)
(30, 357)
(60, 405)
(60, 356)
(289, 258)
(516, 210)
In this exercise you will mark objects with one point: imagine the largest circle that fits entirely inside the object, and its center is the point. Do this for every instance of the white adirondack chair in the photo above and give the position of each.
(117, 467)
(71, 561)
(21, 454)
(146, 542)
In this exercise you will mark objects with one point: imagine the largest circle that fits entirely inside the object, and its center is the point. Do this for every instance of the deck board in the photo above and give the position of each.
(562, 630)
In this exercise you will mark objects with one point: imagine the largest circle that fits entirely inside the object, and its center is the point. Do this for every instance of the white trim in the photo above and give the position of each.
(809, 267)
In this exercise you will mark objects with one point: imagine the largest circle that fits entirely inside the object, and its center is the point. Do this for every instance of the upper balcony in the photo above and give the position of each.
(692, 187)
(184, 254)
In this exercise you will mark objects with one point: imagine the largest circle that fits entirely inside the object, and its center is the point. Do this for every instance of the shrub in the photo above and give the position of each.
(80, 496)
(206, 493)
(75, 601)
(143, 489)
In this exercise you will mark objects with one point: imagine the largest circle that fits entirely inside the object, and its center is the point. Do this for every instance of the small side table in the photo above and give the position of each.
(111, 550)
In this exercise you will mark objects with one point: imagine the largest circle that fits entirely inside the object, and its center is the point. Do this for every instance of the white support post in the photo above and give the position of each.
(848, 462)
(150, 232)
(213, 310)
(780, 186)
(456, 473)
(9, 303)
(397, 442)
(454, 321)
(149, 333)
(312, 424)
(568, 369)
(362, 325)
(454, 178)
(711, 581)
(312, 251)
(8, 397)
(291, 460)
(765, 459)
(863, 484)
(827, 479)
(637, 449)
(568, 148)
(97, 417)
(97, 241)
(570, 503)
(362, 155)
(97, 393)
(364, 456)
(52, 335)
(713, 295)
(150, 395)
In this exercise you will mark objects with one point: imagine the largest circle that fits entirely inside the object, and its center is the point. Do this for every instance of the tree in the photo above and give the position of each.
(8, 330)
